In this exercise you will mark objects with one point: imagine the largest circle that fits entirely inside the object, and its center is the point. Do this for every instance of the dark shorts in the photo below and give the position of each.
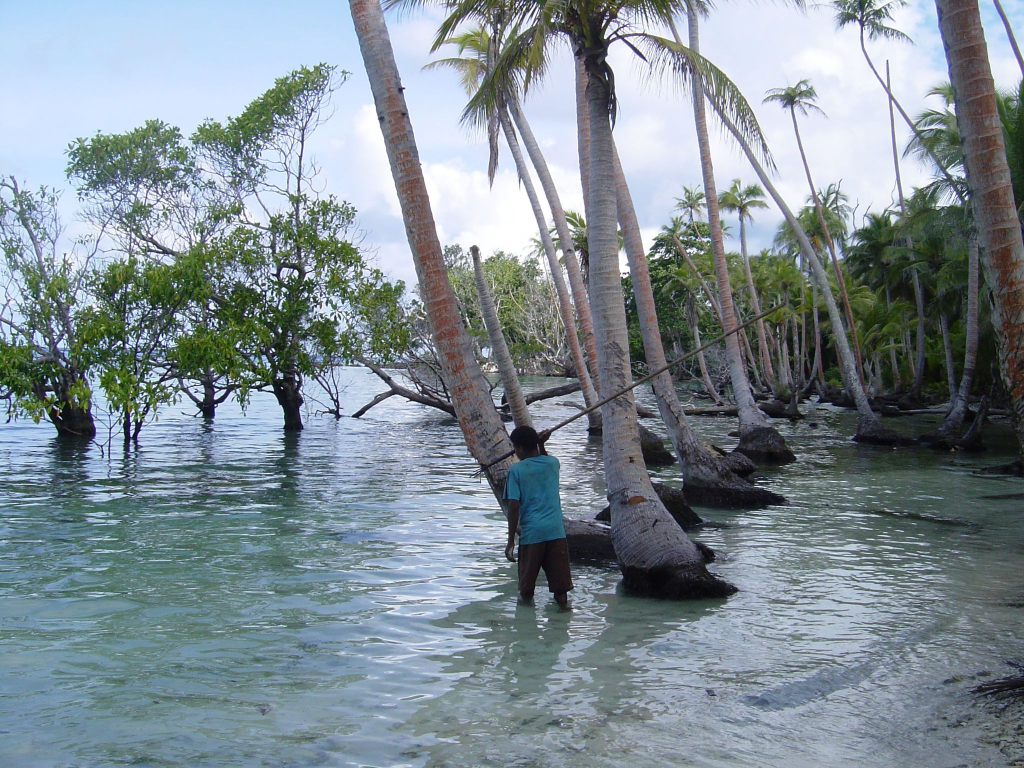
(553, 557)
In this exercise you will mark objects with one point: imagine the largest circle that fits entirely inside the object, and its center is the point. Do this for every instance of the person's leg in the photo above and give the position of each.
(531, 557)
(556, 570)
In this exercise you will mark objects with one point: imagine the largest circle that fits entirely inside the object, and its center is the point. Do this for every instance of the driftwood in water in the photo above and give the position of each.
(712, 410)
(547, 394)
(781, 409)
(397, 389)
(1013, 469)
(1011, 686)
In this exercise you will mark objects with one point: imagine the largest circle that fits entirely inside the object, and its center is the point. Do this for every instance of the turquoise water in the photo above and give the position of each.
(228, 595)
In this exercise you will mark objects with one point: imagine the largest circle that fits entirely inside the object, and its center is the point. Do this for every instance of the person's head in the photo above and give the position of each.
(524, 440)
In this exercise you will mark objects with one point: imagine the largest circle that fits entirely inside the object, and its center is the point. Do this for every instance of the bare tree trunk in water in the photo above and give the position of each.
(869, 427)
(572, 264)
(579, 291)
(950, 433)
(507, 369)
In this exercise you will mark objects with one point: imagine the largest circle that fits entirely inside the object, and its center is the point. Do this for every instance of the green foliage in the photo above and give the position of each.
(42, 373)
(127, 334)
(267, 285)
(525, 302)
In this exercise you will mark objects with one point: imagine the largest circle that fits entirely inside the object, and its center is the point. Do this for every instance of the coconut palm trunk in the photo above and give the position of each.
(499, 347)
(915, 387)
(869, 427)
(947, 347)
(971, 343)
(572, 264)
(758, 440)
(654, 554)
(564, 304)
(691, 316)
(755, 305)
(830, 244)
(708, 481)
(481, 425)
(1010, 36)
(988, 176)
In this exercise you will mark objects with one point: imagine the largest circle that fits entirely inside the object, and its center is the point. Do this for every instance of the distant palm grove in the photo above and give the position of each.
(214, 266)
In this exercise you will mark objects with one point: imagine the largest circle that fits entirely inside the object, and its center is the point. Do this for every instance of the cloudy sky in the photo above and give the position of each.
(75, 68)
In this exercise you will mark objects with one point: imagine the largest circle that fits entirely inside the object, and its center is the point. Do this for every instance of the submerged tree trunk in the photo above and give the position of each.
(73, 421)
(655, 555)
(758, 440)
(506, 368)
(481, 425)
(705, 475)
(988, 177)
(287, 390)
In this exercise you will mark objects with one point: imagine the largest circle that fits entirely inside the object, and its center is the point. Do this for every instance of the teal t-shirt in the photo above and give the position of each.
(533, 482)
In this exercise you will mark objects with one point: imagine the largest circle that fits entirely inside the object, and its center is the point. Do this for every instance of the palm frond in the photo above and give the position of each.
(689, 67)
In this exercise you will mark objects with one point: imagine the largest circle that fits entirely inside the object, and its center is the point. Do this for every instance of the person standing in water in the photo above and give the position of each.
(535, 510)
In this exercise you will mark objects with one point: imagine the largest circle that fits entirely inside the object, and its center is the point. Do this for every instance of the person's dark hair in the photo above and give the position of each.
(525, 437)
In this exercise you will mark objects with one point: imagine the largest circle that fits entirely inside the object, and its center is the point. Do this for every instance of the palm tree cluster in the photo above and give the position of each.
(503, 50)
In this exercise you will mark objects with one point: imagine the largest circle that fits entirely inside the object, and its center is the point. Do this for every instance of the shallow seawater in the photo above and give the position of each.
(229, 595)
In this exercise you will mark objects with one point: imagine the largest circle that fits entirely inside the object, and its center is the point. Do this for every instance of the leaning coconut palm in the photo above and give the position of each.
(564, 231)
(872, 18)
(938, 129)
(758, 440)
(481, 425)
(492, 113)
(801, 97)
(506, 368)
(869, 427)
(991, 185)
(654, 555)
(708, 479)
(1010, 35)
(741, 200)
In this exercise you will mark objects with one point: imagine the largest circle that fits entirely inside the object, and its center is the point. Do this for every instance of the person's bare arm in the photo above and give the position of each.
(512, 506)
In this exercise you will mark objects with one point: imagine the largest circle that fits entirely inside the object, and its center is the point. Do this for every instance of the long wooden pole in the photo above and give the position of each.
(546, 433)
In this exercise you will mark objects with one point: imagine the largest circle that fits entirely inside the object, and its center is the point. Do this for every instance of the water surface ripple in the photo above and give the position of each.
(229, 595)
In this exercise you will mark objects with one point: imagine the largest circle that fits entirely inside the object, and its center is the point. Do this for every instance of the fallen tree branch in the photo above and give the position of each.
(398, 389)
